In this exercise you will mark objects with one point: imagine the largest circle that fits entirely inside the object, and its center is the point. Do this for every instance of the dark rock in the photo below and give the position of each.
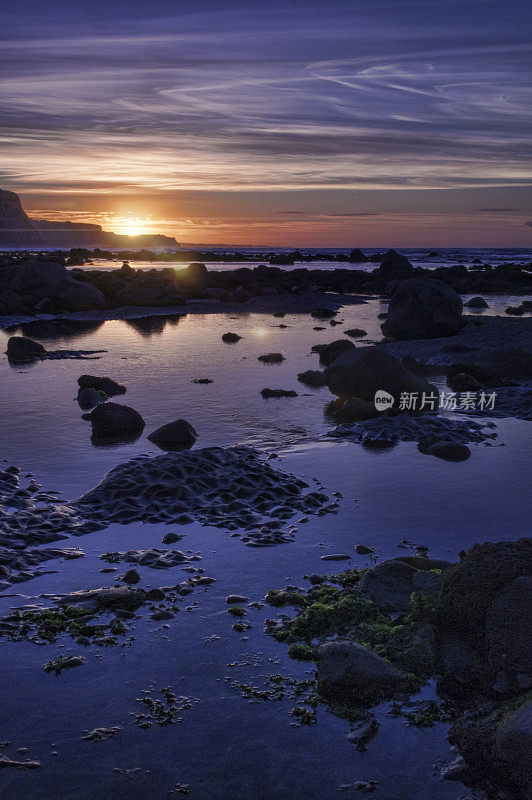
(363, 550)
(395, 266)
(323, 313)
(348, 670)
(390, 585)
(178, 435)
(449, 451)
(329, 352)
(116, 422)
(311, 377)
(357, 256)
(513, 747)
(271, 358)
(471, 586)
(362, 372)
(278, 393)
(355, 332)
(354, 409)
(508, 644)
(19, 348)
(89, 398)
(476, 302)
(236, 598)
(51, 281)
(131, 576)
(423, 308)
(105, 385)
(463, 382)
(231, 337)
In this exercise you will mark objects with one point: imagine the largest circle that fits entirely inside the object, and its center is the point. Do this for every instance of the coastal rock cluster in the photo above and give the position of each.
(223, 487)
(42, 283)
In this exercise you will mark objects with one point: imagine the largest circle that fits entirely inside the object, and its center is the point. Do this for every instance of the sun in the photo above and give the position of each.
(133, 227)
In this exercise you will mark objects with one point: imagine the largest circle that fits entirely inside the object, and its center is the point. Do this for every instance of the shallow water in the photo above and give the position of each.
(226, 747)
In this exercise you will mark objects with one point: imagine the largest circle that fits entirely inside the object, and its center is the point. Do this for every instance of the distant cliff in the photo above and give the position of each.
(17, 230)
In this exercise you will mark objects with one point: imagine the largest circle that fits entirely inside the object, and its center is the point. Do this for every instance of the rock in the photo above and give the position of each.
(463, 382)
(390, 585)
(354, 410)
(355, 332)
(271, 358)
(236, 598)
(147, 289)
(171, 537)
(231, 337)
(476, 302)
(447, 450)
(214, 293)
(50, 281)
(363, 733)
(116, 597)
(513, 747)
(12, 303)
(508, 644)
(423, 308)
(357, 256)
(178, 435)
(105, 385)
(278, 393)
(329, 352)
(203, 380)
(155, 595)
(363, 550)
(116, 422)
(131, 576)
(192, 280)
(323, 313)
(311, 377)
(361, 372)
(428, 585)
(19, 348)
(336, 557)
(471, 586)
(349, 670)
(89, 398)
(395, 267)
(514, 311)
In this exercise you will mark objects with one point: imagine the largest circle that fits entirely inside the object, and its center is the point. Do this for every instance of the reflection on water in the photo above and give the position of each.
(225, 747)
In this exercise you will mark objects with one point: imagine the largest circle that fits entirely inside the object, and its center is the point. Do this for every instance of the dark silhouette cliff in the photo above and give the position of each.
(18, 231)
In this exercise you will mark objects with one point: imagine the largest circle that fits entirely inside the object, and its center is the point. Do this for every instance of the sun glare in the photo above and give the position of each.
(133, 227)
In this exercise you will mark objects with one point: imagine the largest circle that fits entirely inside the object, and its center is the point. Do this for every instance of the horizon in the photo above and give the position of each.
(343, 126)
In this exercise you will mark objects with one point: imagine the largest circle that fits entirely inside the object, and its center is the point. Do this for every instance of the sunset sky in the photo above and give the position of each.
(280, 122)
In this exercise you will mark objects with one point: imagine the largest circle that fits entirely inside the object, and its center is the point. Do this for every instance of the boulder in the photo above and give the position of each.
(271, 358)
(50, 281)
(447, 450)
(471, 586)
(356, 256)
(12, 303)
(353, 410)
(507, 634)
(323, 313)
(311, 377)
(178, 435)
(390, 585)
(214, 293)
(89, 398)
(116, 597)
(361, 372)
(395, 267)
(20, 348)
(192, 280)
(423, 308)
(101, 384)
(230, 337)
(355, 332)
(513, 748)
(349, 670)
(329, 352)
(148, 289)
(112, 421)
(476, 302)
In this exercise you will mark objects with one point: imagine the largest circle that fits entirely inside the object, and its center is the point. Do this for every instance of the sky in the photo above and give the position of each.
(330, 123)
